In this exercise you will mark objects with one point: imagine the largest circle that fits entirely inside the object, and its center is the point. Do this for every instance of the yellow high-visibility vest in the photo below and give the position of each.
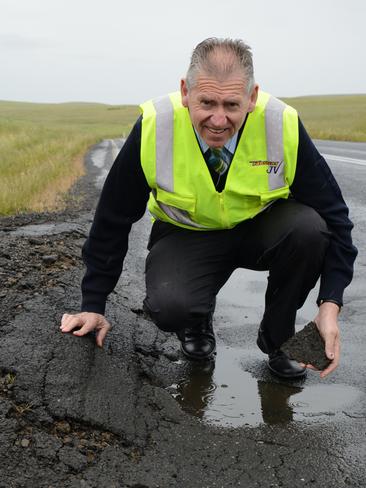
(183, 193)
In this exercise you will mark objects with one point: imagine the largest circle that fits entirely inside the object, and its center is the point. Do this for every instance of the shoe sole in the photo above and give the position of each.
(201, 358)
(288, 377)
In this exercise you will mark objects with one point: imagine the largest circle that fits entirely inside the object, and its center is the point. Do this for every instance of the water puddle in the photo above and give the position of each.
(221, 393)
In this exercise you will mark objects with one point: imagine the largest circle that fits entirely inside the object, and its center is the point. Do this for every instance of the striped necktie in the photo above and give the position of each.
(219, 159)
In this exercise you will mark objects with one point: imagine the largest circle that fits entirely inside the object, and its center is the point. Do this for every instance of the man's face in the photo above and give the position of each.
(218, 108)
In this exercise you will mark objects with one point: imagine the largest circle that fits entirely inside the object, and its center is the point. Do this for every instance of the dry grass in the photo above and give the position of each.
(42, 147)
(333, 117)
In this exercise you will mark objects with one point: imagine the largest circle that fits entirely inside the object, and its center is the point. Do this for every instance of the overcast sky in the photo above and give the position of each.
(116, 52)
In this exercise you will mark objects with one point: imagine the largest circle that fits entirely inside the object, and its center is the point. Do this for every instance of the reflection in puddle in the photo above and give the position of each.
(275, 402)
(223, 394)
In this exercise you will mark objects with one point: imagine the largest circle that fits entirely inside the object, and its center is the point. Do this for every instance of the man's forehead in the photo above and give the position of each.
(232, 85)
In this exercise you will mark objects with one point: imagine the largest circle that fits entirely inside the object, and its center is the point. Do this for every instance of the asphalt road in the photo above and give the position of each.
(136, 414)
(343, 152)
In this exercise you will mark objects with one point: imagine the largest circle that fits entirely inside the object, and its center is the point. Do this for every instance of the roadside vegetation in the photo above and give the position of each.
(333, 117)
(42, 148)
(42, 145)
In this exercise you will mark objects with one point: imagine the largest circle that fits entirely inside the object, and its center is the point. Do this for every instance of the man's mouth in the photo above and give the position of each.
(216, 131)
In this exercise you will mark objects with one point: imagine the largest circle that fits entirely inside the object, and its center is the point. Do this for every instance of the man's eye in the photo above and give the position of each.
(205, 103)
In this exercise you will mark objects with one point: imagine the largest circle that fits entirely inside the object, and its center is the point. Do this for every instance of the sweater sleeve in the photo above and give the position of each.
(122, 202)
(315, 185)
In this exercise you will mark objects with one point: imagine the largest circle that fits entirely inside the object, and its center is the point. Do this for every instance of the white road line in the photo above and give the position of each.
(325, 147)
(343, 159)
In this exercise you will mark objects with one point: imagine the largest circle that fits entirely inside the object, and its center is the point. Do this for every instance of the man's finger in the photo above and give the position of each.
(334, 364)
(101, 335)
(65, 319)
(70, 322)
(85, 329)
(310, 366)
(307, 365)
(331, 339)
(330, 348)
(328, 370)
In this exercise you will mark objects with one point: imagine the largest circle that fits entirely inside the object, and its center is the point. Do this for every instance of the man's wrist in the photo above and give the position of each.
(326, 300)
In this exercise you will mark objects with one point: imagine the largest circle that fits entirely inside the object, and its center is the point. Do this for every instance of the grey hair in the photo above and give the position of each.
(204, 59)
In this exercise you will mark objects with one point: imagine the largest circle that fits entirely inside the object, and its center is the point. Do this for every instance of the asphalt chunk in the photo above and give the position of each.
(307, 346)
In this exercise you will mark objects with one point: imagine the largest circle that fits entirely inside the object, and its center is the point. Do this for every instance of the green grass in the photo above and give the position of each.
(334, 117)
(42, 146)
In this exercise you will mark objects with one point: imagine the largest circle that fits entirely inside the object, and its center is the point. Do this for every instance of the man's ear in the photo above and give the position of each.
(253, 98)
(184, 92)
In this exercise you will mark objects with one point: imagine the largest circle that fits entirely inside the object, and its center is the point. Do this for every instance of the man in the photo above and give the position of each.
(233, 180)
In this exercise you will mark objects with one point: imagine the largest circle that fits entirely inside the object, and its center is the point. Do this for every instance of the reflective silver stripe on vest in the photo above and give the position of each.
(274, 139)
(177, 214)
(164, 159)
(164, 143)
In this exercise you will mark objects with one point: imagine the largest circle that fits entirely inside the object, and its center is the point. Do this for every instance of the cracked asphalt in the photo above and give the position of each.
(136, 414)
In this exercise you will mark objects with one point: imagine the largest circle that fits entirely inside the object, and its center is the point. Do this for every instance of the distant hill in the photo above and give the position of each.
(337, 117)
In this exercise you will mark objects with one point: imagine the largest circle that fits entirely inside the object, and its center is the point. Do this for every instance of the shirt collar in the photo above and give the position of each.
(230, 145)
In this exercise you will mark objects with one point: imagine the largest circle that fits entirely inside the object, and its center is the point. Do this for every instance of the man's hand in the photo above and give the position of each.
(86, 322)
(327, 324)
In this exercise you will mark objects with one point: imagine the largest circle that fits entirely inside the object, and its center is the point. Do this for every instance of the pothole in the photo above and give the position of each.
(224, 393)
(221, 393)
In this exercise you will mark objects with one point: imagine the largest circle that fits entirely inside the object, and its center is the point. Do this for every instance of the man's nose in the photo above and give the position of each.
(218, 118)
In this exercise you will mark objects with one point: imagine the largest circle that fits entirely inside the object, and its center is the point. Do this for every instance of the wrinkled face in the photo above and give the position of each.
(218, 108)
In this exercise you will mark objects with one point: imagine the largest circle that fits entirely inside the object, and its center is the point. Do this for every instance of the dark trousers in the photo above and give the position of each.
(185, 269)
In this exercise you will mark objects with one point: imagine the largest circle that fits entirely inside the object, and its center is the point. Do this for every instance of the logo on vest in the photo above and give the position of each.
(273, 166)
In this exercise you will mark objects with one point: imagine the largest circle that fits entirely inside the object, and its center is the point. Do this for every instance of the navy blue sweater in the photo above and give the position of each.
(124, 198)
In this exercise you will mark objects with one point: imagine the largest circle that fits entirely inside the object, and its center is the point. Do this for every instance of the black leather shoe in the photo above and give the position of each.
(199, 342)
(284, 367)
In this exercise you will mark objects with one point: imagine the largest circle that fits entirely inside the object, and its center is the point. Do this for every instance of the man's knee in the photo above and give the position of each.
(310, 232)
(169, 313)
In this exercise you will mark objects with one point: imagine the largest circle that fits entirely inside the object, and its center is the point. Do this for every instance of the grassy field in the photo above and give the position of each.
(42, 148)
(42, 145)
(333, 117)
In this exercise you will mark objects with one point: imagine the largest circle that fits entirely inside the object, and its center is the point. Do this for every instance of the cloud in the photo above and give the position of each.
(18, 42)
